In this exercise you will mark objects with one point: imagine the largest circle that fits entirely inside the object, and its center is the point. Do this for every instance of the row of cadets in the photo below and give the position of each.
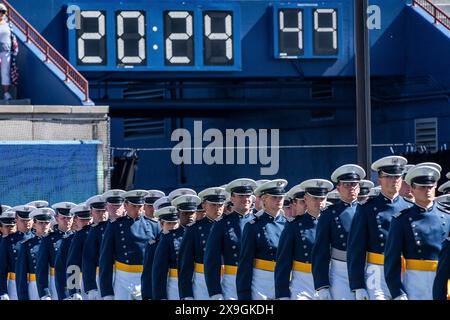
(25, 268)
(191, 278)
(91, 248)
(329, 254)
(417, 233)
(149, 253)
(10, 247)
(45, 265)
(224, 241)
(369, 230)
(123, 246)
(255, 274)
(74, 263)
(174, 220)
(293, 277)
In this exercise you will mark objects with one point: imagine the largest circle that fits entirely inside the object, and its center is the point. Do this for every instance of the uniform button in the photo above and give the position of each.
(236, 263)
(120, 225)
(123, 239)
(334, 211)
(306, 261)
(341, 236)
(374, 209)
(233, 247)
(419, 251)
(121, 232)
(339, 226)
(306, 254)
(127, 261)
(305, 246)
(204, 249)
(125, 254)
(34, 261)
(14, 251)
(344, 244)
(416, 234)
(303, 239)
(204, 241)
(299, 223)
(124, 247)
(235, 255)
(413, 225)
(202, 235)
(228, 222)
(418, 243)
(381, 235)
(382, 244)
(410, 219)
(379, 226)
(200, 228)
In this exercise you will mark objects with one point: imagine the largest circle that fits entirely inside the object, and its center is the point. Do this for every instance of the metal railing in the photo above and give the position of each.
(438, 15)
(51, 54)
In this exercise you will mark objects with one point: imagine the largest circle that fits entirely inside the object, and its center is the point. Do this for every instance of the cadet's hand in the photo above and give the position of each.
(93, 294)
(76, 296)
(4, 297)
(46, 298)
(108, 298)
(323, 294)
(402, 297)
(361, 294)
(217, 297)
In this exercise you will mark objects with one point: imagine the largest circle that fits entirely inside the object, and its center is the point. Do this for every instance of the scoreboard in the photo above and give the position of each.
(198, 35)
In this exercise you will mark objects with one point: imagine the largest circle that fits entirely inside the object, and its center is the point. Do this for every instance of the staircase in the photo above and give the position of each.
(73, 82)
(438, 9)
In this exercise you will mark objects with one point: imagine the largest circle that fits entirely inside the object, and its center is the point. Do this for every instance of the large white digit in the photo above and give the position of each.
(298, 29)
(91, 36)
(332, 29)
(226, 36)
(179, 36)
(121, 42)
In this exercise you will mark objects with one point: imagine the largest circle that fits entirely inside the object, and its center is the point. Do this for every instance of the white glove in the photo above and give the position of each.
(93, 294)
(108, 298)
(4, 297)
(46, 298)
(188, 298)
(218, 296)
(361, 294)
(76, 296)
(402, 297)
(323, 294)
(284, 298)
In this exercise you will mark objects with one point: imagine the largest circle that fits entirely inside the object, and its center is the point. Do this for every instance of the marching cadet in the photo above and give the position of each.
(191, 279)
(405, 190)
(114, 203)
(45, 264)
(149, 200)
(445, 188)
(124, 245)
(444, 202)
(296, 242)
(369, 231)
(91, 248)
(417, 233)
(441, 288)
(224, 241)
(8, 222)
(255, 275)
(38, 204)
(297, 198)
(258, 203)
(149, 253)
(333, 196)
(329, 254)
(83, 216)
(26, 262)
(9, 251)
(181, 192)
(364, 190)
(164, 269)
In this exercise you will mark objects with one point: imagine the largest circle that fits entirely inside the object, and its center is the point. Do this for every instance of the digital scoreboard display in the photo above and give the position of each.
(196, 35)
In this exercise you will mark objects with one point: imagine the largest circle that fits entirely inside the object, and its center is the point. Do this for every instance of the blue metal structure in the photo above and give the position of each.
(286, 65)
